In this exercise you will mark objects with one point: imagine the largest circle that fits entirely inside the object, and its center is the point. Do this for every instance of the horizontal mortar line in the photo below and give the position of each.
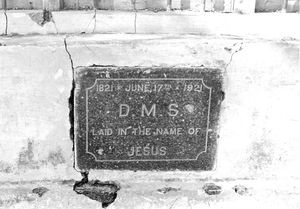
(155, 176)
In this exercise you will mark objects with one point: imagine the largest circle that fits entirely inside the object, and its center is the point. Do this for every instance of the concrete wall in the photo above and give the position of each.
(128, 4)
(268, 6)
(219, 5)
(157, 4)
(196, 5)
(260, 115)
(277, 5)
(185, 4)
(258, 143)
(105, 4)
(244, 6)
(293, 6)
(24, 4)
(32, 4)
(75, 4)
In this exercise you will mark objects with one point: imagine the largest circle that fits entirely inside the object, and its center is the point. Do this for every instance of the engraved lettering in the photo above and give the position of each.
(122, 131)
(122, 107)
(145, 110)
(194, 131)
(147, 150)
(172, 111)
(163, 151)
(168, 131)
(102, 132)
(138, 151)
(131, 153)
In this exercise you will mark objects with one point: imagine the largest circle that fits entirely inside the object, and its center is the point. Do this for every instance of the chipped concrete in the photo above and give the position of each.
(40, 191)
(266, 194)
(212, 189)
(104, 192)
(41, 18)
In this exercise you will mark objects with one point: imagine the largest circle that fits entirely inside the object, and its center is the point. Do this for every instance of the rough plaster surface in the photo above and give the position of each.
(260, 115)
(259, 118)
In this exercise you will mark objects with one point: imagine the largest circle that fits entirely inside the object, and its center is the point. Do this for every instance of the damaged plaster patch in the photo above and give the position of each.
(167, 189)
(212, 189)
(28, 160)
(5, 167)
(41, 18)
(56, 157)
(40, 191)
(104, 192)
(26, 157)
(261, 155)
(240, 189)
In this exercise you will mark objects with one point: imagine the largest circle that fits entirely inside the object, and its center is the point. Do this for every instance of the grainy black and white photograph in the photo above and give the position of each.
(149, 104)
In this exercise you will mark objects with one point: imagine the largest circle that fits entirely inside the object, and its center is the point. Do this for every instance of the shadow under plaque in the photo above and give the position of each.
(139, 118)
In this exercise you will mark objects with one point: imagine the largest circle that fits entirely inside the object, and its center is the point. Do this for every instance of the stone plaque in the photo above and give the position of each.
(146, 118)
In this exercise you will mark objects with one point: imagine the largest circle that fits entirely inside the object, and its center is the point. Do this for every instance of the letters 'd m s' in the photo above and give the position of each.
(124, 110)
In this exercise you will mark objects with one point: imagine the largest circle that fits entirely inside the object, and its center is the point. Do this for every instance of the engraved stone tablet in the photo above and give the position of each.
(146, 118)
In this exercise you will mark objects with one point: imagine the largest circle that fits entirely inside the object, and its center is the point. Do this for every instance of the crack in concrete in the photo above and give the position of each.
(133, 2)
(6, 21)
(95, 20)
(54, 23)
(69, 55)
(71, 99)
(236, 50)
(173, 203)
(135, 18)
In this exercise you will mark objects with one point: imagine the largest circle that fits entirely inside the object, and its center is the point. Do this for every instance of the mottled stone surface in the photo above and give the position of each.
(146, 118)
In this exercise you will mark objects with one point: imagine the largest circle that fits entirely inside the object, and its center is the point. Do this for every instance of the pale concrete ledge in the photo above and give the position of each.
(265, 25)
(268, 194)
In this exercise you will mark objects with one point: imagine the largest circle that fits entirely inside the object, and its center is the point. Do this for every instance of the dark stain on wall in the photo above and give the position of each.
(261, 155)
(25, 159)
(5, 167)
(56, 157)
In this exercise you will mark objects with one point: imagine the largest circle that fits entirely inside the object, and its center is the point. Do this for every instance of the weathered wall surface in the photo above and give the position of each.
(33, 4)
(244, 6)
(82, 4)
(276, 5)
(105, 4)
(130, 4)
(248, 6)
(260, 115)
(269, 6)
